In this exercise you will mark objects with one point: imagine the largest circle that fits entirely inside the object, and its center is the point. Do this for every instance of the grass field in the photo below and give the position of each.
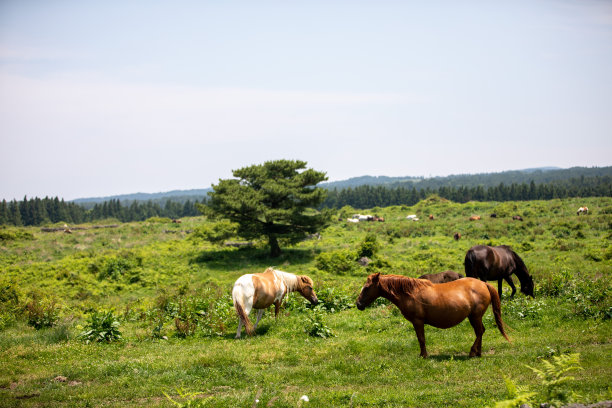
(169, 293)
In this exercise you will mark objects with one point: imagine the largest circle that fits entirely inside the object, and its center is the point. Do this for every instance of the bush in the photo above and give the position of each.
(14, 235)
(124, 266)
(333, 300)
(368, 247)
(315, 326)
(341, 261)
(210, 313)
(101, 327)
(42, 312)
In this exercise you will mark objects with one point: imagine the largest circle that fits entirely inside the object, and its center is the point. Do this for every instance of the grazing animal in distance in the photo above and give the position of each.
(443, 305)
(261, 290)
(474, 217)
(456, 236)
(442, 277)
(517, 218)
(493, 215)
(498, 263)
(583, 210)
(431, 217)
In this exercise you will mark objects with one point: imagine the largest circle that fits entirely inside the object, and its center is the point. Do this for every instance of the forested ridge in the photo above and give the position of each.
(382, 196)
(511, 186)
(40, 211)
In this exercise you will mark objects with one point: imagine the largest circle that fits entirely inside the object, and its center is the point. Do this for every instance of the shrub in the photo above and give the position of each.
(340, 261)
(14, 235)
(42, 312)
(9, 303)
(316, 327)
(101, 327)
(124, 266)
(368, 247)
(333, 300)
(217, 232)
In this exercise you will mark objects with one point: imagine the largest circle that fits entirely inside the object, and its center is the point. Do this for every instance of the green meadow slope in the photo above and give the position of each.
(169, 293)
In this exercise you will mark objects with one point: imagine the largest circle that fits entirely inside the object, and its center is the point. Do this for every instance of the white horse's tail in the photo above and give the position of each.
(244, 318)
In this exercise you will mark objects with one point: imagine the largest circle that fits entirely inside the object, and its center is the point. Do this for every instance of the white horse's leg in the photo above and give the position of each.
(260, 313)
(239, 328)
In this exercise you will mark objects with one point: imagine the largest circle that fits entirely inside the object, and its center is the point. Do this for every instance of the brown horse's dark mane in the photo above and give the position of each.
(397, 284)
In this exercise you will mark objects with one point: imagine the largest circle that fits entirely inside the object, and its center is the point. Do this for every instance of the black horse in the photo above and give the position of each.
(497, 263)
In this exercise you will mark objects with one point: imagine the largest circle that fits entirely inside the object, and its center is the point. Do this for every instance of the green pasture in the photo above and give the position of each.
(169, 294)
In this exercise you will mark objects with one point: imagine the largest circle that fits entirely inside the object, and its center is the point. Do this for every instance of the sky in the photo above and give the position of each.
(123, 96)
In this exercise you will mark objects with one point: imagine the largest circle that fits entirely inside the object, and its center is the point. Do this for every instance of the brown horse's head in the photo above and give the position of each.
(369, 292)
(305, 288)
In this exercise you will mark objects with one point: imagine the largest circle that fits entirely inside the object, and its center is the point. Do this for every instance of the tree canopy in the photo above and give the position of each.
(276, 200)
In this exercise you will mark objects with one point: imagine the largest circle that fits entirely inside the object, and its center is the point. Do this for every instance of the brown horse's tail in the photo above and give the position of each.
(496, 303)
(243, 317)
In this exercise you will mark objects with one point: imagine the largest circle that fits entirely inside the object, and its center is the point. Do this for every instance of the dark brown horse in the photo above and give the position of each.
(498, 263)
(444, 305)
(442, 277)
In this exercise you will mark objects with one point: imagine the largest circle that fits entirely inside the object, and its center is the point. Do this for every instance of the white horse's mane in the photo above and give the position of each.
(289, 279)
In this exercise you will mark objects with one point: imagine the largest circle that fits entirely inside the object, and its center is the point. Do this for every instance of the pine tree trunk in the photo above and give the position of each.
(275, 249)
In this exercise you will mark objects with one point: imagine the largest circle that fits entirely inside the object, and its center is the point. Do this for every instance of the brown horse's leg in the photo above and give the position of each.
(419, 328)
(511, 283)
(479, 329)
(276, 309)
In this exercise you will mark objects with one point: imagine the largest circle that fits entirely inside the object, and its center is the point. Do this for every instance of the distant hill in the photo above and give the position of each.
(540, 175)
(180, 196)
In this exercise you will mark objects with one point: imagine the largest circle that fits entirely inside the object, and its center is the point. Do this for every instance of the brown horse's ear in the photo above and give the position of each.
(375, 277)
(305, 279)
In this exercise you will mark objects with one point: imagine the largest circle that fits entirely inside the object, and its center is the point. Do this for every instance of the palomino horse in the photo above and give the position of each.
(497, 263)
(260, 290)
(583, 210)
(442, 277)
(444, 305)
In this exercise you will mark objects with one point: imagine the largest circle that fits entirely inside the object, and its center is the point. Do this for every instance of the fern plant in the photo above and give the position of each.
(554, 378)
(516, 396)
(189, 400)
(554, 384)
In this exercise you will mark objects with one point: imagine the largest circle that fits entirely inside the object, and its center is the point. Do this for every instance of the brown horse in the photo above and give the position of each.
(442, 277)
(261, 290)
(498, 263)
(444, 305)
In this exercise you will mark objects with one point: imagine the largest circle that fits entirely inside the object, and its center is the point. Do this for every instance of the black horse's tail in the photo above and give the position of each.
(496, 303)
(468, 264)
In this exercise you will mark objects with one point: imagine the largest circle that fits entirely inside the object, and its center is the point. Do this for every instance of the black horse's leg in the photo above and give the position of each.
(479, 329)
(511, 283)
(499, 287)
(419, 328)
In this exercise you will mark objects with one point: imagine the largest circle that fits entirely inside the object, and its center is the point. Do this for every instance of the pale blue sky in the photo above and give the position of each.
(113, 97)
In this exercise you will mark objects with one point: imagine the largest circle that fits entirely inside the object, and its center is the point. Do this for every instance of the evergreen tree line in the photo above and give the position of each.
(40, 211)
(383, 196)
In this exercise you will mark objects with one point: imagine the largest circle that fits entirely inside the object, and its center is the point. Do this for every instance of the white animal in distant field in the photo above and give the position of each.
(583, 210)
(412, 217)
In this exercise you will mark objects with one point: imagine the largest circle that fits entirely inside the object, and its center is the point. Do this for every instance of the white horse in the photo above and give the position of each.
(583, 210)
(260, 290)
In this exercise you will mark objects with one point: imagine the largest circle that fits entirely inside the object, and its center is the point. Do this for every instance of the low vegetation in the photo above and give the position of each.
(141, 314)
